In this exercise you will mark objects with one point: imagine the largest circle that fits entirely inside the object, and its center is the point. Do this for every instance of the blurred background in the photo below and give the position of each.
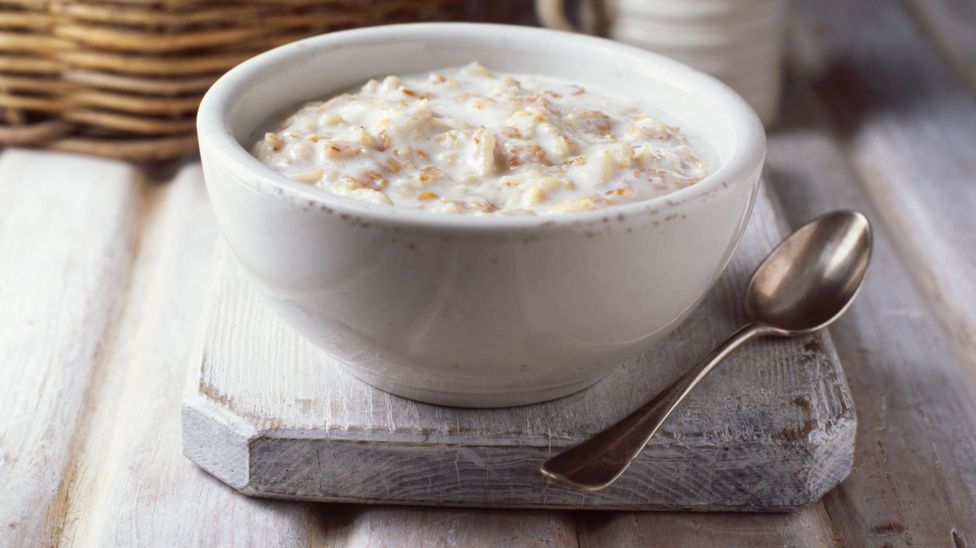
(123, 79)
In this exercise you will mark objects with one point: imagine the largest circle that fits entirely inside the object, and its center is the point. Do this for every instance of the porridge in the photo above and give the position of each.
(466, 140)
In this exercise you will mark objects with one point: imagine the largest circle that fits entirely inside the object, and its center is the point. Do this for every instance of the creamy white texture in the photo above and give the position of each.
(466, 140)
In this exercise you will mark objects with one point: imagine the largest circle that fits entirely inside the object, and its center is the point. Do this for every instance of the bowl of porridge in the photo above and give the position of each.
(478, 215)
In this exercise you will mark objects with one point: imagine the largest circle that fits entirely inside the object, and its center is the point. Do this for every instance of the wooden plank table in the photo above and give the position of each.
(104, 271)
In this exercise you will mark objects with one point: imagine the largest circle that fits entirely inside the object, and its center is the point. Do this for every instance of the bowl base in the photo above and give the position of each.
(481, 400)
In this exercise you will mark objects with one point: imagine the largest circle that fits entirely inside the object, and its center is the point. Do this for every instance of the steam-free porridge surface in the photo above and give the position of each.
(467, 140)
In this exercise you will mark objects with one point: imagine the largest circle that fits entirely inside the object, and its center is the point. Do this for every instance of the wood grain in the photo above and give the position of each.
(772, 429)
(809, 527)
(355, 525)
(66, 240)
(131, 486)
(951, 26)
(914, 481)
(902, 116)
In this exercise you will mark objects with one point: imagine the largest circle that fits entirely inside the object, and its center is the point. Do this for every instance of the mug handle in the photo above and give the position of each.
(552, 14)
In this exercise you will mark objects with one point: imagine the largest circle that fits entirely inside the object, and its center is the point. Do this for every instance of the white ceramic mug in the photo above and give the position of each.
(737, 41)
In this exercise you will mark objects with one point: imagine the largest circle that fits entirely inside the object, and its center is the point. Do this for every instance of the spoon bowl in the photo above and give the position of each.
(813, 276)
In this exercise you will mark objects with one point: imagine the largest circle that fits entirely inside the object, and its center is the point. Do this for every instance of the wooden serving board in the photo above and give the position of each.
(772, 429)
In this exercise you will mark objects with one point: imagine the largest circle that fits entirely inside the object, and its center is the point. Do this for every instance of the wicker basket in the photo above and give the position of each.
(123, 79)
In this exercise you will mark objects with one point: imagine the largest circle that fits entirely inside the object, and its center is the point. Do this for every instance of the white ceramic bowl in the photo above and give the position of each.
(477, 311)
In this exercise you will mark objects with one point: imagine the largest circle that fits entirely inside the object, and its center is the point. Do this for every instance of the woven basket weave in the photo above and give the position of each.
(123, 79)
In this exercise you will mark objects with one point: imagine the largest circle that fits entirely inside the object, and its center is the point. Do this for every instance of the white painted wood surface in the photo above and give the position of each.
(773, 429)
(62, 255)
(908, 361)
(909, 344)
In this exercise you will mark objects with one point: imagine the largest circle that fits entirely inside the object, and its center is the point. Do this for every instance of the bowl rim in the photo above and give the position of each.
(219, 143)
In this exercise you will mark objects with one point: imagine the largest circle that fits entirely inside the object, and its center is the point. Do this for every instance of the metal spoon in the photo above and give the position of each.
(803, 285)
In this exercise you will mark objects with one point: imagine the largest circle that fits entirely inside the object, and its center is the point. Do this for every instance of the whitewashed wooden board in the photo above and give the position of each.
(271, 416)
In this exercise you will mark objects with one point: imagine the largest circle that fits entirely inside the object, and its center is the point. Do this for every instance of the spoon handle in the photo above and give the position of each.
(600, 460)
